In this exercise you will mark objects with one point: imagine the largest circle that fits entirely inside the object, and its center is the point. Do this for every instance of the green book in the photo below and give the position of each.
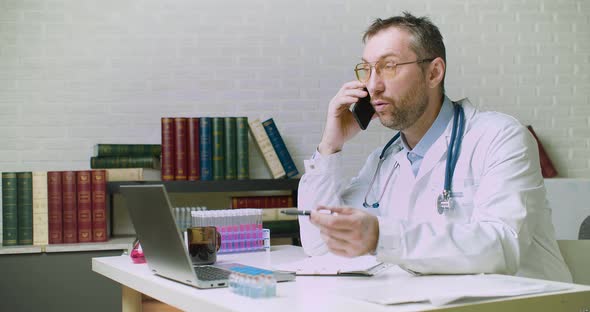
(24, 207)
(231, 165)
(107, 150)
(9, 211)
(125, 162)
(243, 162)
(218, 148)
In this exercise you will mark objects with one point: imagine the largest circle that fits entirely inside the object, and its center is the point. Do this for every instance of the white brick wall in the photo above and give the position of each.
(74, 73)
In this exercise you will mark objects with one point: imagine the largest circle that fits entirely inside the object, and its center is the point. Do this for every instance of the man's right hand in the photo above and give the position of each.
(340, 124)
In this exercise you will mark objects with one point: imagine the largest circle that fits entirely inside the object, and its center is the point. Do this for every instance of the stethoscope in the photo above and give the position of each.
(443, 201)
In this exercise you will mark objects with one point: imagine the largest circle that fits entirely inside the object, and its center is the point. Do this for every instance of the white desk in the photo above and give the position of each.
(306, 293)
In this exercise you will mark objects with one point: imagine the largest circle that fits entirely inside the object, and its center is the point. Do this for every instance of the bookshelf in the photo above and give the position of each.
(216, 186)
(124, 242)
(286, 229)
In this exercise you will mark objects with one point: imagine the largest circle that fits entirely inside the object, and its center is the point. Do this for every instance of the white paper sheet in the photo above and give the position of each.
(331, 264)
(444, 289)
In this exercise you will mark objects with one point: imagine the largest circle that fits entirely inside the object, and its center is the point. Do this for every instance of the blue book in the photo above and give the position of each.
(279, 145)
(205, 148)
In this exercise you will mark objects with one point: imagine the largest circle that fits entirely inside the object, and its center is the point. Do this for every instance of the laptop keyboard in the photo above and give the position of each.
(211, 273)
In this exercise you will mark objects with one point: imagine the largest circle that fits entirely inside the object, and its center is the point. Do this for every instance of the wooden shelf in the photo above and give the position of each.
(215, 186)
(115, 243)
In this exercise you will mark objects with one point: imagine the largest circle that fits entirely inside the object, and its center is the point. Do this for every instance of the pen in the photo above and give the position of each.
(293, 212)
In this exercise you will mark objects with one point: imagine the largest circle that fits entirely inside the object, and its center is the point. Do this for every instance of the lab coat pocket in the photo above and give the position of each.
(462, 198)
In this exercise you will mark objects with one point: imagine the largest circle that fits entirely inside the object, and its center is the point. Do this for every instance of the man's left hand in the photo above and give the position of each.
(347, 231)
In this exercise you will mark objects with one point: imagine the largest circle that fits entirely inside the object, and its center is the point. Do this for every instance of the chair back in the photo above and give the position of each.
(576, 254)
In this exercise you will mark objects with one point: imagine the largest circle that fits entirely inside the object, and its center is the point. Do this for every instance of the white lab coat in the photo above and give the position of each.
(500, 224)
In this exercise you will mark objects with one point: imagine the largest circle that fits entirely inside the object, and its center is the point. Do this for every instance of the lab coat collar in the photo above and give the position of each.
(438, 150)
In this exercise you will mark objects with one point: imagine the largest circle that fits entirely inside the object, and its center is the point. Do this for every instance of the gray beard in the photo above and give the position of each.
(407, 110)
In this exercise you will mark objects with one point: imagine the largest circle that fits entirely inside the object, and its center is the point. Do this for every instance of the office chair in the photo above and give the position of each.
(585, 229)
(576, 254)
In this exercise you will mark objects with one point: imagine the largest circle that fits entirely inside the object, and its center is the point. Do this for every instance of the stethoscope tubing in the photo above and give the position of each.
(452, 156)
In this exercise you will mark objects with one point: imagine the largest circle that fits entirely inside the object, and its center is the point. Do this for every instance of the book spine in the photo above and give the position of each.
(24, 207)
(9, 210)
(281, 149)
(243, 161)
(268, 153)
(54, 207)
(133, 174)
(218, 148)
(206, 147)
(100, 231)
(282, 227)
(192, 143)
(40, 207)
(230, 141)
(270, 201)
(84, 205)
(180, 149)
(547, 168)
(110, 150)
(69, 207)
(124, 162)
(168, 161)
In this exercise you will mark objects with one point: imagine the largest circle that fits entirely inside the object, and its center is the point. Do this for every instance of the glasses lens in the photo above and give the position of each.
(362, 72)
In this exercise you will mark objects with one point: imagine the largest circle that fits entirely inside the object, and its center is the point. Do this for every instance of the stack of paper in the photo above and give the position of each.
(331, 264)
(444, 289)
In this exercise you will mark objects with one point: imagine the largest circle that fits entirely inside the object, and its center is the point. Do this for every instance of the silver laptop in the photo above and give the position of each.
(151, 214)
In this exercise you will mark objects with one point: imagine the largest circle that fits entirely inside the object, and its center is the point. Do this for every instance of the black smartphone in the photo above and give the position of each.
(363, 111)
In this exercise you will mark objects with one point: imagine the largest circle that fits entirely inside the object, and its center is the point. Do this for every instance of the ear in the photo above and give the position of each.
(436, 72)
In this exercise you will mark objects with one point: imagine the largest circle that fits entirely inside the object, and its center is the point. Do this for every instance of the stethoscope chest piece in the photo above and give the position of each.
(443, 203)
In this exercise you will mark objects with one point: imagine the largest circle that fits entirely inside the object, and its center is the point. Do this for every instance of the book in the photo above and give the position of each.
(0, 210)
(24, 207)
(84, 205)
(69, 207)
(280, 148)
(180, 148)
(167, 125)
(547, 168)
(266, 149)
(109, 150)
(132, 174)
(40, 209)
(242, 148)
(205, 148)
(287, 227)
(218, 148)
(54, 207)
(268, 201)
(192, 147)
(124, 162)
(100, 228)
(230, 150)
(333, 265)
(9, 209)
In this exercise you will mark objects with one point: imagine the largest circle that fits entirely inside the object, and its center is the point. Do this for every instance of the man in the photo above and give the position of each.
(496, 220)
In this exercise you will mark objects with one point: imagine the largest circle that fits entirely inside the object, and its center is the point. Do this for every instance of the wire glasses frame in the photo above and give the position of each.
(363, 70)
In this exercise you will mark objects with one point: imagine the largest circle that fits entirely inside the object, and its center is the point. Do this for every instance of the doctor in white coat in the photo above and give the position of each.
(497, 220)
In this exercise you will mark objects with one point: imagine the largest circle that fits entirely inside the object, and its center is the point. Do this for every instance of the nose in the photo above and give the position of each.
(375, 84)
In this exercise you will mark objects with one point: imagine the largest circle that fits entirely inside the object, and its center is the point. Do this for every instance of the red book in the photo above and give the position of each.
(167, 149)
(69, 206)
(270, 201)
(84, 204)
(547, 168)
(192, 144)
(54, 212)
(180, 149)
(99, 206)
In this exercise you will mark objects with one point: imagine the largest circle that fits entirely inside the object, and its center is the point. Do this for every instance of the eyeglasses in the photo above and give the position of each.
(383, 69)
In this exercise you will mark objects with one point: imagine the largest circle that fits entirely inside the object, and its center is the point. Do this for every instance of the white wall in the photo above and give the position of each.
(74, 73)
